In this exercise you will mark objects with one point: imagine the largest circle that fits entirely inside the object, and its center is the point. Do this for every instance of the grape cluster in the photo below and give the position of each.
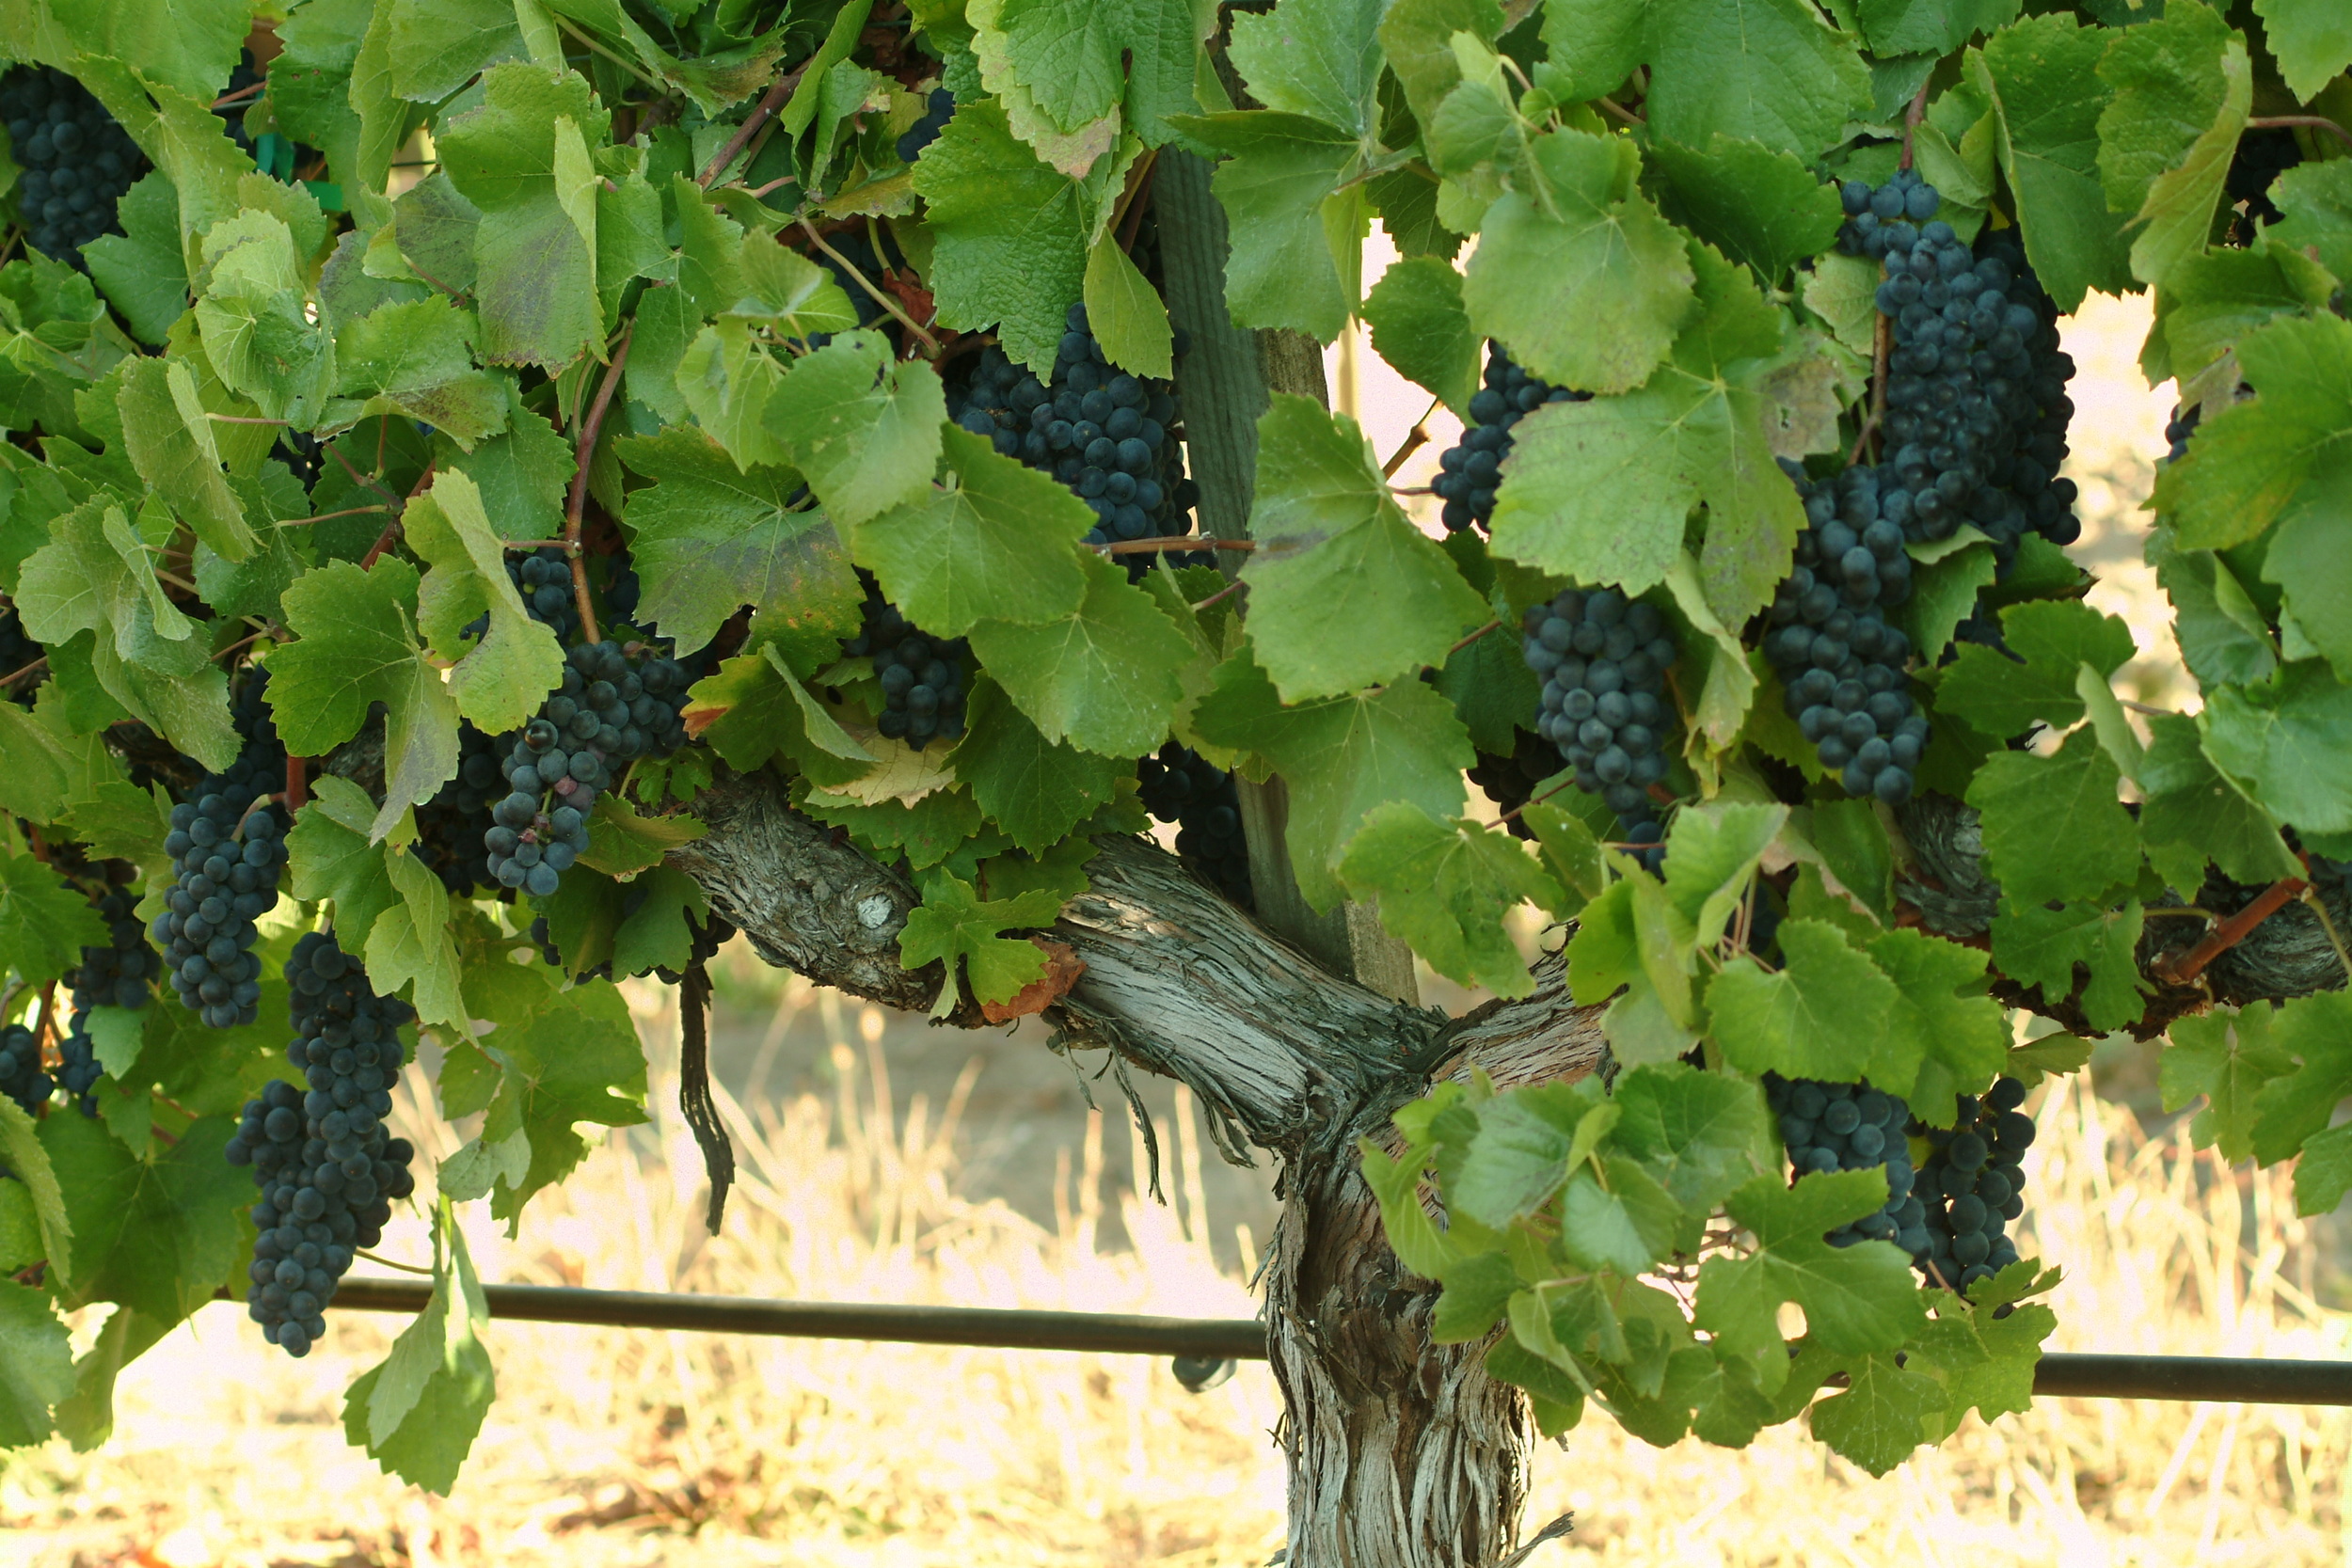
(1603, 661)
(77, 162)
(922, 676)
(1973, 1185)
(1510, 781)
(611, 709)
(1109, 435)
(1841, 664)
(1180, 786)
(227, 853)
(1831, 1127)
(1975, 404)
(936, 114)
(327, 1169)
(1469, 470)
(78, 1068)
(449, 826)
(117, 975)
(2263, 154)
(22, 1079)
(544, 579)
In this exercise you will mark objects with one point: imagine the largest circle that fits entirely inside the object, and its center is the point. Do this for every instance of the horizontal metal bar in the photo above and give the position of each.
(2221, 1379)
(1233, 1338)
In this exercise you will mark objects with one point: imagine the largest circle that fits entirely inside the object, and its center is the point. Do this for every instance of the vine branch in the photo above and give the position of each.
(576, 504)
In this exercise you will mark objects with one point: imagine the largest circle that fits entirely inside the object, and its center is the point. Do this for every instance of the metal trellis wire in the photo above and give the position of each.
(1206, 1340)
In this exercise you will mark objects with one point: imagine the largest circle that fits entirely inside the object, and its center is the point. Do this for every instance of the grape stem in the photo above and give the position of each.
(1138, 191)
(1175, 542)
(1533, 800)
(2288, 123)
(48, 1014)
(392, 529)
(230, 100)
(881, 295)
(374, 481)
(35, 668)
(329, 517)
(236, 835)
(1414, 440)
(1913, 116)
(576, 506)
(379, 1258)
(1472, 638)
(1225, 593)
(594, 47)
(1620, 111)
(297, 781)
(242, 418)
(1883, 348)
(767, 106)
(2327, 924)
(2228, 933)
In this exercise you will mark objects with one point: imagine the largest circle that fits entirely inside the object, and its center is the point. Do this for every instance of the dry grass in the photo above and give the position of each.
(613, 1447)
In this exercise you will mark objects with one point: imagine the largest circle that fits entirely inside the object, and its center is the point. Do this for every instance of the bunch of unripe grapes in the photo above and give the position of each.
(76, 160)
(922, 677)
(1178, 784)
(1469, 471)
(1603, 661)
(327, 1168)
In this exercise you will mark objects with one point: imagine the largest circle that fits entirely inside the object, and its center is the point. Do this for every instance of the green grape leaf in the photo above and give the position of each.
(256, 322)
(1771, 71)
(1820, 1016)
(1998, 697)
(995, 545)
(1125, 313)
(2315, 199)
(170, 441)
(499, 681)
(622, 843)
(953, 924)
(925, 830)
(359, 645)
(522, 473)
(1619, 1218)
(1344, 592)
(1315, 57)
(1035, 789)
(2311, 40)
(1928, 27)
(1944, 1036)
(143, 270)
(1078, 61)
(1758, 204)
(1880, 1416)
(728, 378)
(2182, 86)
(330, 855)
(1341, 757)
(1582, 278)
(1421, 328)
(1295, 262)
(754, 705)
(416, 361)
(1701, 1134)
(2194, 813)
(45, 921)
(863, 426)
(561, 1055)
(36, 1364)
(2041, 77)
(2293, 1109)
(1445, 889)
(523, 158)
(1009, 233)
(1857, 1300)
(2288, 743)
(158, 1232)
(2226, 1056)
(1417, 38)
(1102, 676)
(418, 1412)
(2035, 945)
(95, 574)
(2053, 827)
(1518, 1149)
(28, 1162)
(1601, 491)
(708, 537)
(1712, 856)
(2222, 636)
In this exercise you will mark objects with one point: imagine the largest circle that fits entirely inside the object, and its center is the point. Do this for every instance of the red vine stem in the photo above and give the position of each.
(1175, 542)
(2313, 122)
(2228, 932)
(576, 505)
(48, 1014)
(1139, 192)
(1913, 116)
(297, 783)
(752, 121)
(1472, 638)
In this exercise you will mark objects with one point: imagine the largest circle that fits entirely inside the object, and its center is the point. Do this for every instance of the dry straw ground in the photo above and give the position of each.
(620, 1447)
